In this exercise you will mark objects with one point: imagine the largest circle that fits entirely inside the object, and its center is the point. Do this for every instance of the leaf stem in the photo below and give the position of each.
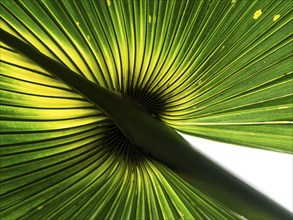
(161, 141)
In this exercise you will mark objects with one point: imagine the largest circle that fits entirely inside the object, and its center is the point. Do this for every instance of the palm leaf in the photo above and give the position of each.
(63, 158)
(221, 74)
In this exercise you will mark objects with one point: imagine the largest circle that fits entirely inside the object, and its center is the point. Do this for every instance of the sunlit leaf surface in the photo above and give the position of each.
(217, 69)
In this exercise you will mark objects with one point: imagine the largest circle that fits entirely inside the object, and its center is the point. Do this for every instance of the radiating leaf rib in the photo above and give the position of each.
(216, 71)
(55, 169)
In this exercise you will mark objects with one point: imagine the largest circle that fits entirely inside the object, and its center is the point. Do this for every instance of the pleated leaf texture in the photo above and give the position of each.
(220, 70)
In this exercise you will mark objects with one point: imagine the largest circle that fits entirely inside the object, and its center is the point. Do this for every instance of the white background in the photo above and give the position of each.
(269, 172)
